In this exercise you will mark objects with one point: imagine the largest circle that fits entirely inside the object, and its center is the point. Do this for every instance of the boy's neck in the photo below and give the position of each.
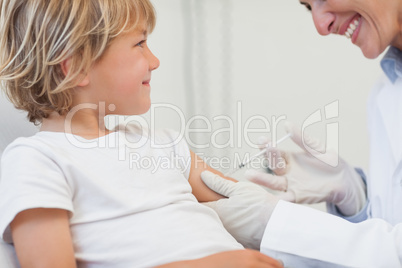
(84, 124)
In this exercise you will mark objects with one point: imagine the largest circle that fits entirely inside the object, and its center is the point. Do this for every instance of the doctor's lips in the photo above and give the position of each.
(350, 27)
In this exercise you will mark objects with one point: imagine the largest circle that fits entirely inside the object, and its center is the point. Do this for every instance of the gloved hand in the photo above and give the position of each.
(246, 211)
(312, 176)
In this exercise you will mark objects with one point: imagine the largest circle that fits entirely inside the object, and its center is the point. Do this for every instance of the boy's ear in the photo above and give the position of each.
(83, 79)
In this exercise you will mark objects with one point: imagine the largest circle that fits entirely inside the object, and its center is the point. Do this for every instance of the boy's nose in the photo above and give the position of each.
(323, 20)
(153, 61)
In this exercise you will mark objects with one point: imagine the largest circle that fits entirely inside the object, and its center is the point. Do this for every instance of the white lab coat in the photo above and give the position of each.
(304, 237)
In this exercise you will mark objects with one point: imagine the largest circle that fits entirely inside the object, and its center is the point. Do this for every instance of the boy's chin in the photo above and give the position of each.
(143, 110)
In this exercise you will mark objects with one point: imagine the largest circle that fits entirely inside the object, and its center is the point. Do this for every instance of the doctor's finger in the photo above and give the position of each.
(307, 143)
(268, 180)
(218, 184)
(263, 142)
(212, 204)
(277, 160)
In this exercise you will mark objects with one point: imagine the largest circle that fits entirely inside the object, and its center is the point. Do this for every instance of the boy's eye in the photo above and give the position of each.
(141, 44)
(306, 5)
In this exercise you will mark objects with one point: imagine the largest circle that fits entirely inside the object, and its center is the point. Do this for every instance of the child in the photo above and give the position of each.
(65, 204)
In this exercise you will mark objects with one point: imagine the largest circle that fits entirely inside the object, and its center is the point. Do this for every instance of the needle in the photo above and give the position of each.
(242, 165)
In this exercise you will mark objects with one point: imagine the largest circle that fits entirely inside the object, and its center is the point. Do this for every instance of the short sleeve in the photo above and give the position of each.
(183, 151)
(180, 148)
(30, 178)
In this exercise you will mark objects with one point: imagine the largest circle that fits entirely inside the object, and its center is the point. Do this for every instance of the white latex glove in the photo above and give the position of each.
(312, 176)
(246, 211)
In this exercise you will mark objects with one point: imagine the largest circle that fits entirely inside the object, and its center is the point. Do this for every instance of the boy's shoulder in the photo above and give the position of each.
(36, 141)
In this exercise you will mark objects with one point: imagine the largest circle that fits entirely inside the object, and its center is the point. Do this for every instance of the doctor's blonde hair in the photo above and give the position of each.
(38, 36)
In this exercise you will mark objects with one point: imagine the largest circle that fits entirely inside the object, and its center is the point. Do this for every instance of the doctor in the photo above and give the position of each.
(363, 233)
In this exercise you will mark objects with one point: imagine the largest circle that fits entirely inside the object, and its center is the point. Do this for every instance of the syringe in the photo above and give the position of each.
(242, 165)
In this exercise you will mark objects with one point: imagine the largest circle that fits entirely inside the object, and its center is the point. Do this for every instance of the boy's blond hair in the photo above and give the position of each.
(37, 36)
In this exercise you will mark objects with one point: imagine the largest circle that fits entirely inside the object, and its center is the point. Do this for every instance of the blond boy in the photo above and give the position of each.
(64, 205)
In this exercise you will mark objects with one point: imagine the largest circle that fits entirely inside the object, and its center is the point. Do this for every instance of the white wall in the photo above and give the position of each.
(279, 66)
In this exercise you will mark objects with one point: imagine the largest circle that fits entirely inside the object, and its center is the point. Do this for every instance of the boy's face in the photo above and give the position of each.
(122, 76)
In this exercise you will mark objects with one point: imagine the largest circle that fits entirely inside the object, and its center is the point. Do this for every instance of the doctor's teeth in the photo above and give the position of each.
(352, 27)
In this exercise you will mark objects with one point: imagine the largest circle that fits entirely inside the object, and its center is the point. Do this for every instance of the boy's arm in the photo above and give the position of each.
(200, 190)
(229, 259)
(42, 238)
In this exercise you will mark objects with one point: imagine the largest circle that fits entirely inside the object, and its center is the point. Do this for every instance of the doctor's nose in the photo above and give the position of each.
(324, 21)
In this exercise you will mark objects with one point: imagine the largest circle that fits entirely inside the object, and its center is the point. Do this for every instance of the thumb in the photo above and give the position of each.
(307, 143)
(218, 184)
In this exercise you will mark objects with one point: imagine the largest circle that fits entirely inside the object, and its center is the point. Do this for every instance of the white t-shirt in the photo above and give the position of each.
(130, 207)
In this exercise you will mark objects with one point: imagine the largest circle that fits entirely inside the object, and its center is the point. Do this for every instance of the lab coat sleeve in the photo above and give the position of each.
(298, 234)
(361, 216)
